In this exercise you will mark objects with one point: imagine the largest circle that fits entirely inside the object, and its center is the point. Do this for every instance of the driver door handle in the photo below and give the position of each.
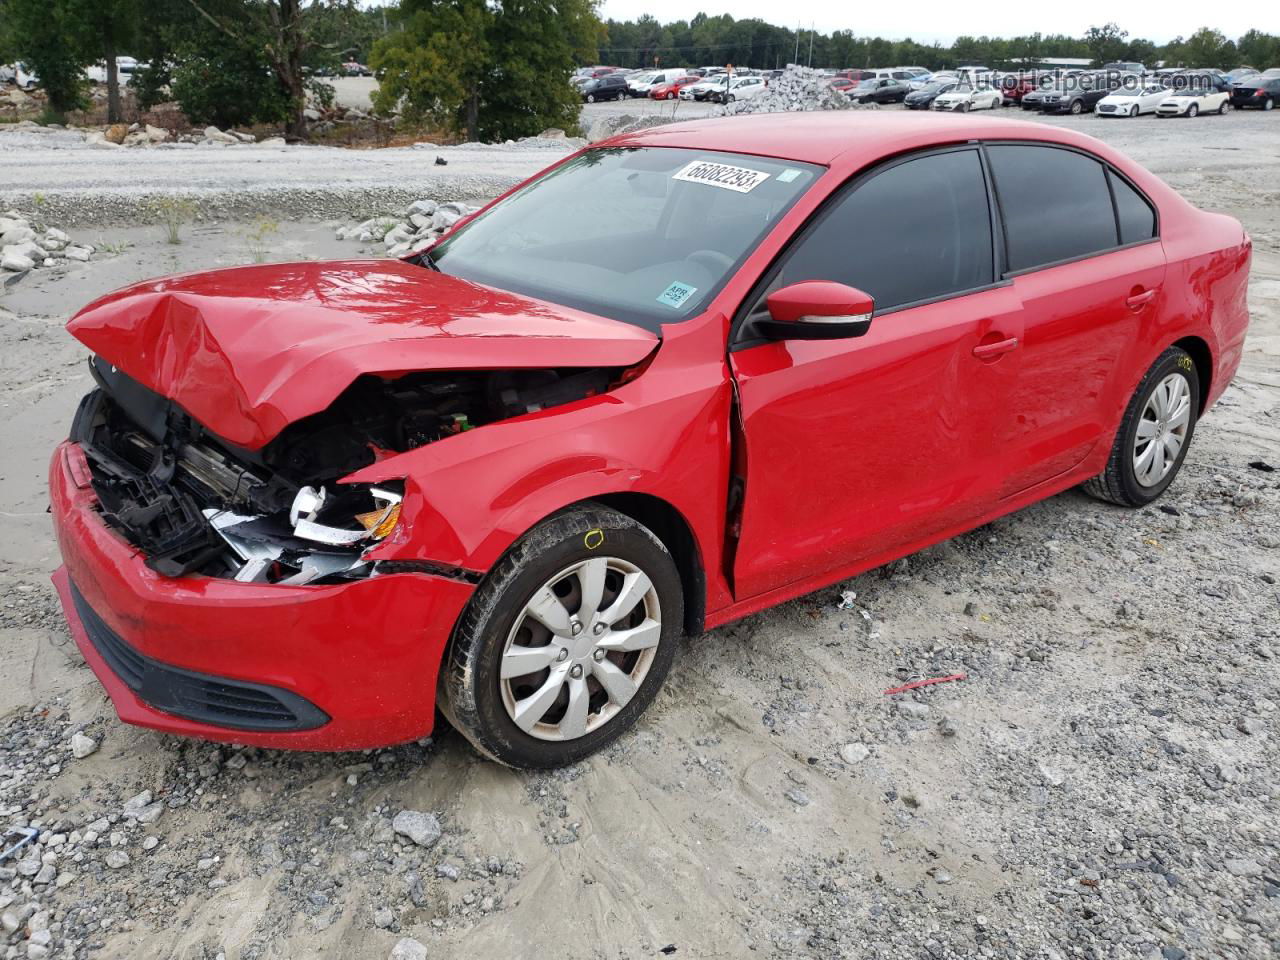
(1139, 300)
(989, 351)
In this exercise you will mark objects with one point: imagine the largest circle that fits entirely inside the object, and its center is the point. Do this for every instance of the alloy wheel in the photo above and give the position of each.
(1162, 431)
(580, 649)
(1193, 110)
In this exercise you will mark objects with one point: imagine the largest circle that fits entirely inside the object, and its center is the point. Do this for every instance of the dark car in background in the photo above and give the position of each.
(884, 90)
(1257, 91)
(923, 99)
(1074, 95)
(612, 86)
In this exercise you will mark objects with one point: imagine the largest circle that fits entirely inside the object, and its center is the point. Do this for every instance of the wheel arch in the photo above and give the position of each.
(1202, 356)
(670, 526)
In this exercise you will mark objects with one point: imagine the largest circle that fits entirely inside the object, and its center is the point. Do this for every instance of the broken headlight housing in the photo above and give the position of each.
(324, 534)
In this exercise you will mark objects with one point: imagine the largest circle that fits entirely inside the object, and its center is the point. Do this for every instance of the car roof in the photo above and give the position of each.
(844, 138)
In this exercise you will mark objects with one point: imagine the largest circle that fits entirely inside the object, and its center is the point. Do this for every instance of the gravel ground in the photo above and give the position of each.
(1102, 785)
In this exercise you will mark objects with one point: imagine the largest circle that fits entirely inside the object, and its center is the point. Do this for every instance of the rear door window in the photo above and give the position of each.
(1055, 202)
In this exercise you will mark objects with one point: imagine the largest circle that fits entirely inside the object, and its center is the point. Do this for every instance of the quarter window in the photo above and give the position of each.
(1134, 215)
(1055, 203)
(917, 231)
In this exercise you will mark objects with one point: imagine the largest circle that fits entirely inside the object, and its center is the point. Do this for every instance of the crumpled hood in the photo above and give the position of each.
(248, 350)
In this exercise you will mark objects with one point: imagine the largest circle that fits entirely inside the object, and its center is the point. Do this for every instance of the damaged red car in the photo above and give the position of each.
(662, 385)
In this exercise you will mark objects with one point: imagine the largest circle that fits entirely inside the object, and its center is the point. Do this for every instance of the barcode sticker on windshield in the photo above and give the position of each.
(739, 179)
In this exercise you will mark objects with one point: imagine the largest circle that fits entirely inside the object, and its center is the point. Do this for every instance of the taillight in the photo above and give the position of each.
(1259, 92)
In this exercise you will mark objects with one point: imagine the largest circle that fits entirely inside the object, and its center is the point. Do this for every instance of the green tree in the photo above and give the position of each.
(488, 70)
(1105, 43)
(46, 36)
(1259, 50)
(1209, 48)
(106, 28)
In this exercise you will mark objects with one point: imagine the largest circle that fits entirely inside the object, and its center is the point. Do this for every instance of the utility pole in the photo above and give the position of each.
(797, 57)
(811, 44)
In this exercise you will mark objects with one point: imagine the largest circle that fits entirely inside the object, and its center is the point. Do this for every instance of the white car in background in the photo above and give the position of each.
(968, 97)
(1194, 100)
(741, 88)
(1131, 101)
(704, 90)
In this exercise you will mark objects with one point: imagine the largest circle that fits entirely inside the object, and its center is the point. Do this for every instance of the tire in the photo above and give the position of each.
(1193, 110)
(1133, 111)
(730, 98)
(671, 96)
(1222, 110)
(1120, 482)
(1077, 107)
(591, 98)
(482, 705)
(1268, 104)
(964, 107)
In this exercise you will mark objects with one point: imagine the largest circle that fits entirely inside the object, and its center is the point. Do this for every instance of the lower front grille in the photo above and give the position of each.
(218, 701)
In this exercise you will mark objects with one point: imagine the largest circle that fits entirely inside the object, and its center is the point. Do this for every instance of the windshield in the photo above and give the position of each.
(643, 234)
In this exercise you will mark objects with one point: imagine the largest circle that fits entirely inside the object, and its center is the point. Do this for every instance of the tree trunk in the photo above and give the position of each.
(473, 116)
(292, 42)
(113, 83)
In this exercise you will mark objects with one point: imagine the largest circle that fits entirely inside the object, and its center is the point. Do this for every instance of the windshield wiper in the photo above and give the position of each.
(427, 260)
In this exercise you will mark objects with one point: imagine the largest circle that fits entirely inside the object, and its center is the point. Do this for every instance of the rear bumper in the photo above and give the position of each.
(355, 663)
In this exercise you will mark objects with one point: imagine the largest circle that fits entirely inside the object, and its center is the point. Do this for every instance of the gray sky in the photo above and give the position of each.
(941, 20)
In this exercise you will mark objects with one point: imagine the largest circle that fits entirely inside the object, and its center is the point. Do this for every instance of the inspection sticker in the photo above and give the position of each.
(789, 174)
(676, 294)
(739, 179)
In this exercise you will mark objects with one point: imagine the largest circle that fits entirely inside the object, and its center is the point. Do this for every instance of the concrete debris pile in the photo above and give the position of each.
(26, 244)
(797, 89)
(611, 125)
(418, 225)
(146, 135)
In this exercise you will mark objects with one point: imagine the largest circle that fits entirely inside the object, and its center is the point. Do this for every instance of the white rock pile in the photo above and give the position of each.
(797, 89)
(418, 225)
(146, 135)
(26, 244)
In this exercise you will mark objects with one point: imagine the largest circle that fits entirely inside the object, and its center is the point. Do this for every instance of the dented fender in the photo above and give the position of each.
(469, 497)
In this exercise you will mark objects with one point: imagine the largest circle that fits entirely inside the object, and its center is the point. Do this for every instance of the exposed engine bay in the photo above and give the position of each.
(192, 503)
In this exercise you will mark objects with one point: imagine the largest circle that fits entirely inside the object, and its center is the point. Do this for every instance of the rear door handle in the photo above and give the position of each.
(989, 351)
(1139, 300)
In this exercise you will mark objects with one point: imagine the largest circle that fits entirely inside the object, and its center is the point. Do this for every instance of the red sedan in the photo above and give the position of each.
(669, 91)
(648, 393)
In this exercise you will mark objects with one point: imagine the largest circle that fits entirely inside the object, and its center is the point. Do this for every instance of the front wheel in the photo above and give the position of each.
(1076, 106)
(1133, 111)
(1154, 435)
(565, 642)
(591, 98)
(1193, 110)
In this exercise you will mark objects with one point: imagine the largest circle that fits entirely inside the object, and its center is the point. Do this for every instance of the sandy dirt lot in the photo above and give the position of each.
(1104, 783)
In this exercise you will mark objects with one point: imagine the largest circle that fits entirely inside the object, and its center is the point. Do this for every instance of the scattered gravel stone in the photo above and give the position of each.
(854, 753)
(422, 828)
(83, 746)
(408, 949)
(115, 859)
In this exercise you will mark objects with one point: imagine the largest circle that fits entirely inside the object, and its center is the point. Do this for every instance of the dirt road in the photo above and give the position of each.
(1102, 785)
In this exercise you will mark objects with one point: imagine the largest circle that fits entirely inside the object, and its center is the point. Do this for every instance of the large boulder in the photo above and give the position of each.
(116, 133)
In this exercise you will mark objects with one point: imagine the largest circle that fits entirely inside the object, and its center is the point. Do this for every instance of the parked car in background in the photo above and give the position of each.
(1192, 101)
(354, 69)
(1256, 91)
(965, 97)
(1078, 94)
(304, 505)
(1124, 66)
(739, 88)
(1015, 86)
(856, 75)
(1241, 73)
(611, 86)
(1126, 102)
(923, 98)
(671, 89)
(704, 89)
(1270, 72)
(842, 84)
(882, 90)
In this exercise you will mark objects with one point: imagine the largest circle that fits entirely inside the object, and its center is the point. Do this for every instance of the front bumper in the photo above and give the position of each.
(363, 656)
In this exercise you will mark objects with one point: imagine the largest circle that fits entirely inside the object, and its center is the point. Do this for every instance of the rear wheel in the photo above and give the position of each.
(566, 641)
(1154, 435)
(1268, 104)
(1076, 106)
(1226, 105)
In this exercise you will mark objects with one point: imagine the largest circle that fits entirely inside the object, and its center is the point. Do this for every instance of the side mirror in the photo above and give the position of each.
(817, 310)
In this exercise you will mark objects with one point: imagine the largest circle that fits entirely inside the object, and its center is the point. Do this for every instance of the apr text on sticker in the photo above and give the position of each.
(740, 179)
